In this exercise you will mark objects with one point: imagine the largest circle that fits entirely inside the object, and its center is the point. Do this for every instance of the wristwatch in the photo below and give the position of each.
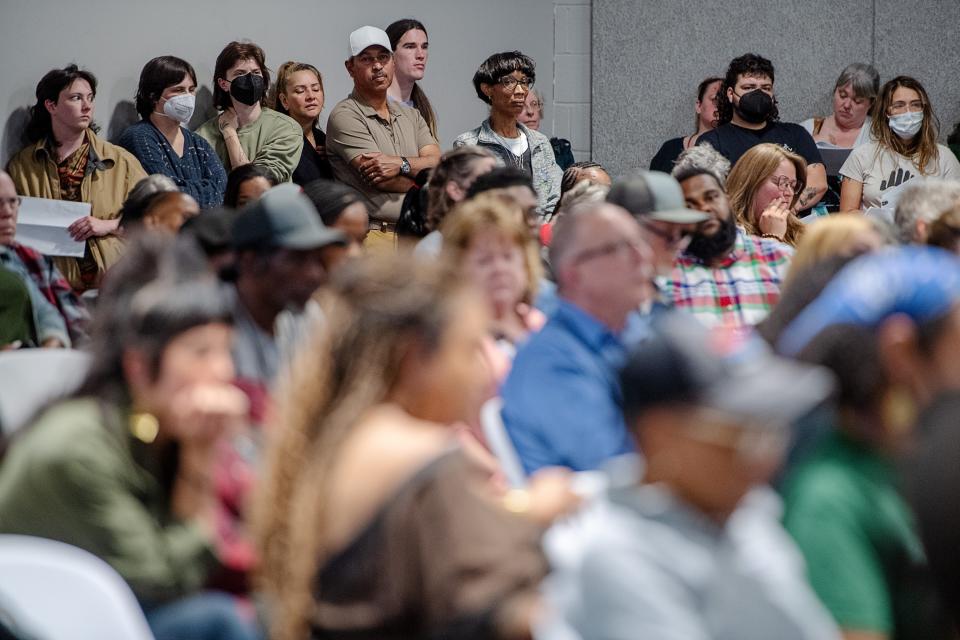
(404, 166)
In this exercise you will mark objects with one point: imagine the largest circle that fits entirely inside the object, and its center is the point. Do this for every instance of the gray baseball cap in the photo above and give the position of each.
(654, 195)
(285, 218)
(725, 368)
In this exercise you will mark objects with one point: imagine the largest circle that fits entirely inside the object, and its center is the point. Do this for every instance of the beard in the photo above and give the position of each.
(706, 248)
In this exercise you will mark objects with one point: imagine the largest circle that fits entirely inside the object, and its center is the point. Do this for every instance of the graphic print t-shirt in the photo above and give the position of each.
(884, 172)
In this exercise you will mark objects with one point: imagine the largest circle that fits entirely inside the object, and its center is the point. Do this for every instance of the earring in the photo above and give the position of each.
(899, 410)
(144, 427)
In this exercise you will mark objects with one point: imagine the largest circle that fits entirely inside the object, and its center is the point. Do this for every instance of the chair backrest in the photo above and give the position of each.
(59, 592)
(29, 378)
(500, 444)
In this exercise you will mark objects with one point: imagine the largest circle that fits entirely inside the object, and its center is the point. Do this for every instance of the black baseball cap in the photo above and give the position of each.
(725, 368)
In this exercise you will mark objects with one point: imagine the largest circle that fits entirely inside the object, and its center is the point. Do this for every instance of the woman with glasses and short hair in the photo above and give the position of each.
(904, 146)
(503, 81)
(764, 187)
(532, 117)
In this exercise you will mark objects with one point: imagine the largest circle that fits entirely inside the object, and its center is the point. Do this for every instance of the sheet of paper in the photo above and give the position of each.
(42, 224)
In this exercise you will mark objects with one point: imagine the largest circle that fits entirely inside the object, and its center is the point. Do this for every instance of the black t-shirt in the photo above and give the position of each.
(667, 155)
(313, 164)
(733, 141)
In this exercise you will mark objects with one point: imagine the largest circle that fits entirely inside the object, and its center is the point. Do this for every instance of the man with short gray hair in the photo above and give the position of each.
(561, 399)
(920, 204)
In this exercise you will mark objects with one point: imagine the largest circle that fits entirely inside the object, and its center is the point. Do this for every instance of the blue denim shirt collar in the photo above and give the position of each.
(585, 327)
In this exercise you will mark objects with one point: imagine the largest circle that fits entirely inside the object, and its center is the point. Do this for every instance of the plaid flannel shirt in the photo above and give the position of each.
(739, 292)
(57, 291)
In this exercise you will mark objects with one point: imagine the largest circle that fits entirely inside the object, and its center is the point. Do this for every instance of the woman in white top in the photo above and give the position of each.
(904, 146)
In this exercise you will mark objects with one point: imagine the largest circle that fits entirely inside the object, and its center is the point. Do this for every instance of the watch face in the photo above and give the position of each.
(404, 166)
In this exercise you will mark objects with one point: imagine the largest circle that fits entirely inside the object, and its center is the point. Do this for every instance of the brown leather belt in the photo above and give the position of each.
(383, 225)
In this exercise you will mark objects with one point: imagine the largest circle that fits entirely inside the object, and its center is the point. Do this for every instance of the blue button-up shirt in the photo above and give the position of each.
(561, 401)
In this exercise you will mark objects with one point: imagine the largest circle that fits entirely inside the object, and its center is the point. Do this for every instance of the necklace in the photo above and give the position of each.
(517, 160)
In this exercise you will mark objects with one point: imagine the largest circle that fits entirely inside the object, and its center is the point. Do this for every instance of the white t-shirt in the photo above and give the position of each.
(882, 172)
(517, 146)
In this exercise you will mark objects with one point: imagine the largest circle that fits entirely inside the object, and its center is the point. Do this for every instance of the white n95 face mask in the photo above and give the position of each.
(180, 108)
(906, 125)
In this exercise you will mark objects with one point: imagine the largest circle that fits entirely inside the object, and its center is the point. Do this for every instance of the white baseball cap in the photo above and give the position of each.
(367, 37)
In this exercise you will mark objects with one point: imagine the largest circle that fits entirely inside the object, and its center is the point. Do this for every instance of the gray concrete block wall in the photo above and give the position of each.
(920, 39)
(648, 58)
(571, 113)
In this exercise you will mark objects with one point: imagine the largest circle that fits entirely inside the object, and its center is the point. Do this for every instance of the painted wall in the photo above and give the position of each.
(648, 58)
(114, 38)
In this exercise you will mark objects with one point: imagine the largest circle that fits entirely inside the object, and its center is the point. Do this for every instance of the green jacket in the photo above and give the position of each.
(273, 141)
(78, 476)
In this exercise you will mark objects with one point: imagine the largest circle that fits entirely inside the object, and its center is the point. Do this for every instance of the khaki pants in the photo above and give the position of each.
(380, 241)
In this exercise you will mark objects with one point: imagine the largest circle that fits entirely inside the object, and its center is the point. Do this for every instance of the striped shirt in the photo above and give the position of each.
(740, 291)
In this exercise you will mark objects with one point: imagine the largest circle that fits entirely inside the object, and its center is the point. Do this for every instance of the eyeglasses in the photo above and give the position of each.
(510, 83)
(677, 236)
(899, 107)
(611, 248)
(785, 183)
(11, 203)
(380, 58)
(536, 105)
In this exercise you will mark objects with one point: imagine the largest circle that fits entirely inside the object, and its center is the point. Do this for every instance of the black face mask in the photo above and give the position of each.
(756, 107)
(247, 89)
(706, 248)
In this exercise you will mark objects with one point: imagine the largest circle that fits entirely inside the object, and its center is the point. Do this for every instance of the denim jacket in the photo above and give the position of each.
(546, 172)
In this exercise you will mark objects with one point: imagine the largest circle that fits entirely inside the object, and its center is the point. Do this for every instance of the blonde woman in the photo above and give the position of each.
(490, 241)
(299, 94)
(846, 234)
(764, 188)
(372, 521)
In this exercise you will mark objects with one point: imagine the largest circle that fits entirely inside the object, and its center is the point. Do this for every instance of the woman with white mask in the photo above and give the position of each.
(904, 146)
(161, 141)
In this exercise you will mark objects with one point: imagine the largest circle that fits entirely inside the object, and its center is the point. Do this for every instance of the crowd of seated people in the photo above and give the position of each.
(678, 403)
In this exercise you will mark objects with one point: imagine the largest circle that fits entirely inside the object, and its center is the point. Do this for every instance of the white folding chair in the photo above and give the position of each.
(29, 378)
(59, 592)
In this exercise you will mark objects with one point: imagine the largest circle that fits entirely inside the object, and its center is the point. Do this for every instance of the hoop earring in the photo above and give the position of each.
(899, 410)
